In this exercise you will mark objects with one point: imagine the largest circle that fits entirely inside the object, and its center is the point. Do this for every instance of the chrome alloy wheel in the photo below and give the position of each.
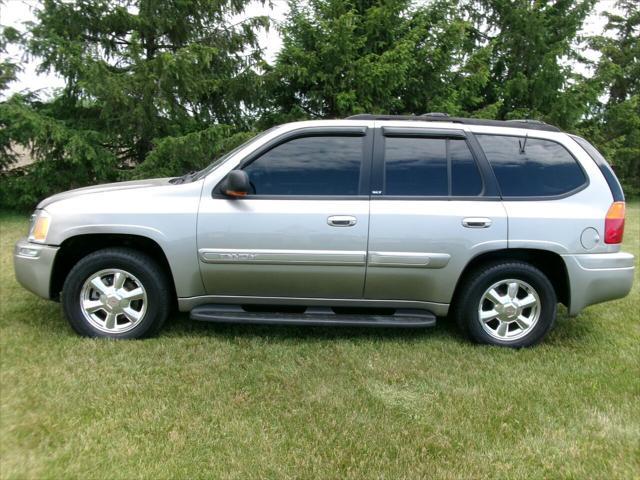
(509, 309)
(113, 300)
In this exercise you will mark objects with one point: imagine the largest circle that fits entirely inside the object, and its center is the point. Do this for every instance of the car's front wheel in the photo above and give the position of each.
(506, 303)
(116, 293)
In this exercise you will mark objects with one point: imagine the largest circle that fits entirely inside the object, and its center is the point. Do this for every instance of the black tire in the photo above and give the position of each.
(474, 286)
(147, 272)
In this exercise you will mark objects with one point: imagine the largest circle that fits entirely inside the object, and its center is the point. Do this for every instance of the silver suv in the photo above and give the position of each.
(372, 221)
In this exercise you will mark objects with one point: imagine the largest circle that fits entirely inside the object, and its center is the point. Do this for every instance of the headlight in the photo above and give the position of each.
(40, 223)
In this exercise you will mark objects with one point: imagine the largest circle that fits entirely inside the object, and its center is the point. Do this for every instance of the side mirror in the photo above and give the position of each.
(236, 184)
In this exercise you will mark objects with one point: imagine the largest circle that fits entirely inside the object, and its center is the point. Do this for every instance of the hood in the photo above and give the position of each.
(107, 187)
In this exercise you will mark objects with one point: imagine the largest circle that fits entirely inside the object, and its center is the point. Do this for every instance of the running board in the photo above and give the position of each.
(317, 316)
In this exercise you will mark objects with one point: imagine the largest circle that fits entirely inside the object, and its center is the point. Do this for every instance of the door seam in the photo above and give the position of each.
(371, 174)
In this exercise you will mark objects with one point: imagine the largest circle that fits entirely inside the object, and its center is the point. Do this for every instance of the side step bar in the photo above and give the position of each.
(318, 316)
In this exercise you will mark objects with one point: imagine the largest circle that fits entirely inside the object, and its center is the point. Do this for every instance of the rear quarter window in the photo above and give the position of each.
(605, 168)
(531, 167)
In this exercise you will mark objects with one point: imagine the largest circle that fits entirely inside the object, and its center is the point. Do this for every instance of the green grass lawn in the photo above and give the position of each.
(214, 401)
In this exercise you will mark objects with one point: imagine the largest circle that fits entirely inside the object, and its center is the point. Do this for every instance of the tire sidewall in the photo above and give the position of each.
(531, 275)
(142, 267)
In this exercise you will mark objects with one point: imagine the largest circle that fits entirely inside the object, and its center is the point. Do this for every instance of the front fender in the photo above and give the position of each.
(165, 214)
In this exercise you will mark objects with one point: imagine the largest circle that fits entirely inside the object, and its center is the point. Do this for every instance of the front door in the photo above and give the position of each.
(303, 232)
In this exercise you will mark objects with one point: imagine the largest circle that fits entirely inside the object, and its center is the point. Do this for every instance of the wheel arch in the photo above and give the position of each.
(550, 263)
(75, 248)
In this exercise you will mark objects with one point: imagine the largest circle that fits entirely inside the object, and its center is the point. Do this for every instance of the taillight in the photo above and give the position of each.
(614, 223)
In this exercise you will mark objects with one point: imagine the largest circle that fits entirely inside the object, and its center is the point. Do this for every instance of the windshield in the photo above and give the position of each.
(205, 171)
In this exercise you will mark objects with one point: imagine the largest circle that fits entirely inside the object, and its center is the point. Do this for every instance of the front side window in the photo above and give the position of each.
(431, 167)
(531, 167)
(465, 176)
(319, 165)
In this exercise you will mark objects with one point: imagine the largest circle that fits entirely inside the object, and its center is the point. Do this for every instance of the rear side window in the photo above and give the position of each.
(323, 165)
(531, 167)
(416, 166)
(432, 167)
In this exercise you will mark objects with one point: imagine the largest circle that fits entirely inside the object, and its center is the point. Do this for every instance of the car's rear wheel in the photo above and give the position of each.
(507, 303)
(116, 293)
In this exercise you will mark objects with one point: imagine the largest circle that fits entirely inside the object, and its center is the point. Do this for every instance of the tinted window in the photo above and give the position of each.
(465, 176)
(605, 168)
(309, 166)
(418, 167)
(531, 167)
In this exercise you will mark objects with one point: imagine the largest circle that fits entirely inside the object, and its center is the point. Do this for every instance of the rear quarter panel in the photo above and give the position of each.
(556, 224)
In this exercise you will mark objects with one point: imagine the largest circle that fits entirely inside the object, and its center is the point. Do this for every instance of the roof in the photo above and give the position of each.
(526, 124)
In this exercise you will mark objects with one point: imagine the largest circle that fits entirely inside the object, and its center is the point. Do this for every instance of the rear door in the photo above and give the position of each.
(303, 233)
(434, 207)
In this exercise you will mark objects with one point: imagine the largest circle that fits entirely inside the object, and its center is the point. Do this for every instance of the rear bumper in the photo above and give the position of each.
(33, 264)
(598, 277)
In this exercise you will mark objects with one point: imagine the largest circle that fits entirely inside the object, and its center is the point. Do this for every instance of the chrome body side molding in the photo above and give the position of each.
(282, 257)
(408, 259)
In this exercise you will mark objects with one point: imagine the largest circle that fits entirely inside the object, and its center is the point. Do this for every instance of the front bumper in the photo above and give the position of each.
(598, 277)
(33, 264)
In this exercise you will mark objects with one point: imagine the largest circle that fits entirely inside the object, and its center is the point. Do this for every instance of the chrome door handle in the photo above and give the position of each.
(342, 221)
(477, 222)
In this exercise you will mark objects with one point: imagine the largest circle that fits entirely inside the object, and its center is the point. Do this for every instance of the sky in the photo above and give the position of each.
(15, 12)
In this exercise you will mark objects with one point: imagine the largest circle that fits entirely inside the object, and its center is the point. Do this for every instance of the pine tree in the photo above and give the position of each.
(615, 126)
(532, 45)
(136, 72)
(8, 70)
(145, 69)
(341, 57)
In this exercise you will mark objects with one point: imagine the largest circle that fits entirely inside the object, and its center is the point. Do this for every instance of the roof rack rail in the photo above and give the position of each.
(527, 124)
(527, 120)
